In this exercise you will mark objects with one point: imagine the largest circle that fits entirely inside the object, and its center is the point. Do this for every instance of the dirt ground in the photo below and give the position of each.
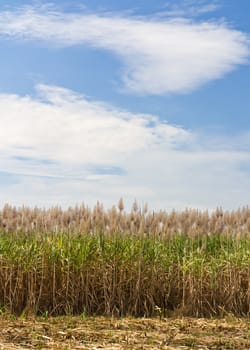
(113, 334)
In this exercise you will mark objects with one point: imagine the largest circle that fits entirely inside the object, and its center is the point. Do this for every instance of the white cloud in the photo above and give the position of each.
(160, 55)
(57, 144)
(65, 127)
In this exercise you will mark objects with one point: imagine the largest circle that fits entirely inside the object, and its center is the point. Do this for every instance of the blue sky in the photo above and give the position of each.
(145, 100)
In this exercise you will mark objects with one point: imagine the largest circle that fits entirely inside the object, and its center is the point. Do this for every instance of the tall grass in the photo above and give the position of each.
(112, 263)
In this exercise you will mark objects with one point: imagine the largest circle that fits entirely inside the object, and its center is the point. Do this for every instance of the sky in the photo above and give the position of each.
(144, 100)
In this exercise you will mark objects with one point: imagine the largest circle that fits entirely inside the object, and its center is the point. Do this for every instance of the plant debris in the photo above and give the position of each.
(97, 333)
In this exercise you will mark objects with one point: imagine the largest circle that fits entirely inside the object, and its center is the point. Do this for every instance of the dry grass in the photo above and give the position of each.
(81, 219)
(113, 334)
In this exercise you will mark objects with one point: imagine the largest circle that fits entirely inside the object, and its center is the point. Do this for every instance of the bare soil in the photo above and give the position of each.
(126, 333)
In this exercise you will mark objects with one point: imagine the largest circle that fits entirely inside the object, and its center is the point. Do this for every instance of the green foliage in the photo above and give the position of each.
(121, 274)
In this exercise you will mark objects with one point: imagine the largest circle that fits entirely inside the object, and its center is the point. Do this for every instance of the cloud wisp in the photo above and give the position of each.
(160, 56)
(61, 148)
(190, 8)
